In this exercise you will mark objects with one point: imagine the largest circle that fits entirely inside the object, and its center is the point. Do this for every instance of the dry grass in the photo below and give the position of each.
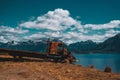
(32, 70)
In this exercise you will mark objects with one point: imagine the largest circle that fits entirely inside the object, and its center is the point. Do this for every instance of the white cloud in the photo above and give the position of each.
(112, 31)
(2, 39)
(6, 29)
(59, 24)
(34, 36)
(111, 24)
(58, 19)
(6, 39)
(9, 34)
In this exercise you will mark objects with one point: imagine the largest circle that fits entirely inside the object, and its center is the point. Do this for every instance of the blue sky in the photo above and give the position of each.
(70, 21)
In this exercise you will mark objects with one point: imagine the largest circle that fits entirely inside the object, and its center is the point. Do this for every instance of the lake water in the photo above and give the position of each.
(100, 61)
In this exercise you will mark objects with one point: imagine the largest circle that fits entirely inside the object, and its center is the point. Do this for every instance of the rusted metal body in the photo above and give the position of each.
(55, 51)
(58, 49)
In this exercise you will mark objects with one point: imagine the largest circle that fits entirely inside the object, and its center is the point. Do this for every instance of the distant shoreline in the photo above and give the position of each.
(95, 52)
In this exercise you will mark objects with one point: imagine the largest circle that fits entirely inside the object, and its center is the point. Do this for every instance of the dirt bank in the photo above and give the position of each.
(38, 70)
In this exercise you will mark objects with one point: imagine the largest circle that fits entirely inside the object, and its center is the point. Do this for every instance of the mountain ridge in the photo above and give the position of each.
(110, 45)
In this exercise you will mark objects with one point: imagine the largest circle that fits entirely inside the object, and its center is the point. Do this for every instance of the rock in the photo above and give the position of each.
(91, 66)
(68, 71)
(107, 69)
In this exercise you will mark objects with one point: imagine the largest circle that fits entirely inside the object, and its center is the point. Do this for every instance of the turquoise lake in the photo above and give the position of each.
(100, 61)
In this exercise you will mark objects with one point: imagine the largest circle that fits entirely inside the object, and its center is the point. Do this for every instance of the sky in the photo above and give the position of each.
(68, 20)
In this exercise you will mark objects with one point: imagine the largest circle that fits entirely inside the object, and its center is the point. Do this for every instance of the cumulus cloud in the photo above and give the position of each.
(9, 33)
(11, 30)
(58, 19)
(2, 39)
(110, 25)
(59, 24)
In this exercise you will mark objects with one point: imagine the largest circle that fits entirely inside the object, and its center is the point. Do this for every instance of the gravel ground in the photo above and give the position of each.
(41, 70)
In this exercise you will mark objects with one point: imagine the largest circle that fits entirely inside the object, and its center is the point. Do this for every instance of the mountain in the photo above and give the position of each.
(82, 46)
(35, 46)
(110, 45)
(27, 45)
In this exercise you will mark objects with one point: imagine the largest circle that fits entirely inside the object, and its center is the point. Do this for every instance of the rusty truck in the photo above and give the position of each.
(55, 51)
